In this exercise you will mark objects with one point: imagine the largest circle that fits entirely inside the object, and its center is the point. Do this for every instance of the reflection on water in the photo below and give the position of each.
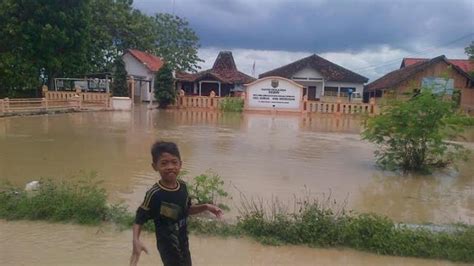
(260, 155)
(38, 243)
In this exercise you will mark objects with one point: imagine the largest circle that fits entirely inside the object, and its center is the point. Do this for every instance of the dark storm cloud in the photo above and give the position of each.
(322, 26)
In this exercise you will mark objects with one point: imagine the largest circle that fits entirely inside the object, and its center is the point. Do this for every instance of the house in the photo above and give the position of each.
(142, 67)
(465, 64)
(321, 79)
(414, 73)
(223, 78)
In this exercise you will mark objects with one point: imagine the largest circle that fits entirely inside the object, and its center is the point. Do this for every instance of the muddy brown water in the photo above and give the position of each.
(259, 155)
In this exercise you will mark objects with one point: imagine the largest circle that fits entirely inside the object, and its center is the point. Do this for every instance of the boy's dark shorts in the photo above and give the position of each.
(172, 256)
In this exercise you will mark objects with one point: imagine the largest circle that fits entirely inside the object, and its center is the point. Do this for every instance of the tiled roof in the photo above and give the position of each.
(224, 70)
(329, 70)
(465, 64)
(152, 62)
(394, 78)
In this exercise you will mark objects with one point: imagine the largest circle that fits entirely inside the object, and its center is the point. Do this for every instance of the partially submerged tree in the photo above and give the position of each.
(119, 84)
(412, 135)
(164, 90)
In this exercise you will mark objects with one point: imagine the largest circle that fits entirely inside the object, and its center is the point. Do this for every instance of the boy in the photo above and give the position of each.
(168, 204)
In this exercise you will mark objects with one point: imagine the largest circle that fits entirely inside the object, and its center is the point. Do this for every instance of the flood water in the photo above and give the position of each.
(259, 155)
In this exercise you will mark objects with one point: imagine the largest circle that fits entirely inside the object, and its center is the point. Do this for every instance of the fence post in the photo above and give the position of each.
(372, 105)
(44, 103)
(6, 105)
(211, 96)
(78, 102)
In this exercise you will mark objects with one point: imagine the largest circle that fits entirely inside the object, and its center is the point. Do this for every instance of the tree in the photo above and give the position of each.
(470, 51)
(412, 135)
(117, 26)
(36, 34)
(119, 84)
(176, 42)
(164, 90)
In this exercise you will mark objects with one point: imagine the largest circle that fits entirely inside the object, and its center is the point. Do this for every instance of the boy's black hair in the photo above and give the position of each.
(160, 147)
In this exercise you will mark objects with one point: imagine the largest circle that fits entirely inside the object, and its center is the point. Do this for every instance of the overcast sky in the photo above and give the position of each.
(367, 37)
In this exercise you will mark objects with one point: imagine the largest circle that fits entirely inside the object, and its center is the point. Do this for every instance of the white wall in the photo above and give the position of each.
(358, 86)
(286, 96)
(307, 73)
(136, 68)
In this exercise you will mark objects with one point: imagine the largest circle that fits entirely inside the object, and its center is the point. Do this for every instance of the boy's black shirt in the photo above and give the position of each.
(169, 210)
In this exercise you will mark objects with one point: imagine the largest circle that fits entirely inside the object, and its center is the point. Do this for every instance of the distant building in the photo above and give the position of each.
(223, 78)
(142, 67)
(321, 77)
(438, 73)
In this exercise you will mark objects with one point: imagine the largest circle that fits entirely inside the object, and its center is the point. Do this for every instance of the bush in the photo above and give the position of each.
(411, 134)
(208, 188)
(81, 201)
(231, 104)
(164, 90)
(119, 83)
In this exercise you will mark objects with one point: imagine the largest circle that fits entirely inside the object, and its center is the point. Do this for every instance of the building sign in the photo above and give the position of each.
(438, 85)
(276, 93)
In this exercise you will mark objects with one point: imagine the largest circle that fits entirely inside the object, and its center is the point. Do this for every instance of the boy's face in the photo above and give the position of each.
(168, 166)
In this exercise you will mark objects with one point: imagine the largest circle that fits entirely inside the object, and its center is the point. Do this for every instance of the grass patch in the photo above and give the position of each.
(231, 104)
(310, 222)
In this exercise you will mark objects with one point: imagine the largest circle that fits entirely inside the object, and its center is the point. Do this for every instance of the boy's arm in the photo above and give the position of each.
(198, 208)
(138, 246)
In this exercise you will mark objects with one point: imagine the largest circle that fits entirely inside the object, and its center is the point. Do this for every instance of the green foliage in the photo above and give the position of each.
(42, 34)
(81, 201)
(208, 188)
(164, 90)
(411, 134)
(119, 84)
(231, 104)
(77, 37)
(470, 50)
(176, 42)
(315, 224)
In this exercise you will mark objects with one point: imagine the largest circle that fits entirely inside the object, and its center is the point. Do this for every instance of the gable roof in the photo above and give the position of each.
(396, 77)
(224, 70)
(152, 62)
(465, 64)
(329, 70)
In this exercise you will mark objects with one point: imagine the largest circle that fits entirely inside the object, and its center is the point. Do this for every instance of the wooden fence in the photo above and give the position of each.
(339, 108)
(56, 101)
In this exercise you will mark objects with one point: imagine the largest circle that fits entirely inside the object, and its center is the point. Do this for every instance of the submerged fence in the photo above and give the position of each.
(56, 101)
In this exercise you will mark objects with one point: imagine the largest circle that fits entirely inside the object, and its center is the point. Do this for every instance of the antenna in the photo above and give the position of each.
(173, 7)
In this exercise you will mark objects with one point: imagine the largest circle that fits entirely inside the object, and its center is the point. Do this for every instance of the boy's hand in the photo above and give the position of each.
(215, 210)
(138, 247)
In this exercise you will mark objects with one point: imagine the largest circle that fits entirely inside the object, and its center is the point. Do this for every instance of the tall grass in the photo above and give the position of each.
(307, 222)
(231, 104)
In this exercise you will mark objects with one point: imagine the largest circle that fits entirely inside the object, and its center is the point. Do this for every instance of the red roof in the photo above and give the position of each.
(224, 69)
(152, 62)
(465, 64)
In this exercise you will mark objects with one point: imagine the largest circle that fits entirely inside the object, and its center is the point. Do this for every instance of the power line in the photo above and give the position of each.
(393, 61)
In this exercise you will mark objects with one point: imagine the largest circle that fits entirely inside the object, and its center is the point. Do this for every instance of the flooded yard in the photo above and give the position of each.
(259, 155)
